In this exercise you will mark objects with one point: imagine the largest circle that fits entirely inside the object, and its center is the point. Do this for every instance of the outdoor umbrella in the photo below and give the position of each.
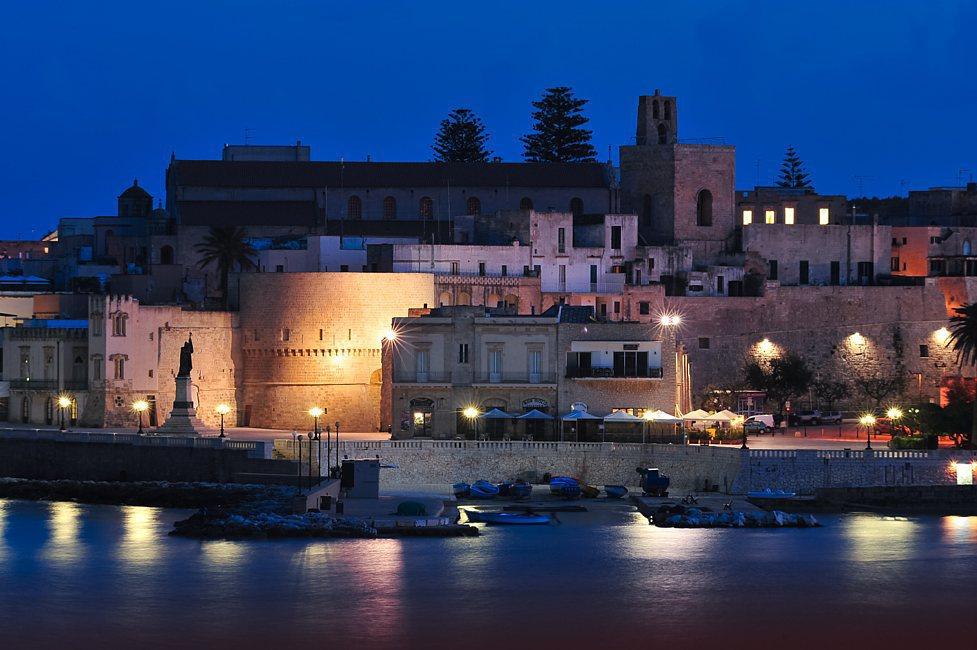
(662, 417)
(534, 415)
(496, 414)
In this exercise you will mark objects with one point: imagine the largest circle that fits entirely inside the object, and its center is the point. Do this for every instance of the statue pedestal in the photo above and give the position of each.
(183, 419)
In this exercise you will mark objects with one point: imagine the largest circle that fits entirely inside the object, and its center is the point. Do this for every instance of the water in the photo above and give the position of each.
(80, 576)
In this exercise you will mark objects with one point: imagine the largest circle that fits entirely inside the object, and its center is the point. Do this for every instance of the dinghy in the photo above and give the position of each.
(565, 486)
(483, 490)
(508, 518)
(615, 491)
(461, 490)
(520, 491)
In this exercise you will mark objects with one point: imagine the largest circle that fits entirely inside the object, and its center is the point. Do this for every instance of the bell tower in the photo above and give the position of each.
(657, 120)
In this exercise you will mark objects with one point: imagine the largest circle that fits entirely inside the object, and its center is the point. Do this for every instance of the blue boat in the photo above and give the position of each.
(461, 490)
(508, 518)
(615, 491)
(565, 486)
(504, 489)
(483, 490)
(520, 491)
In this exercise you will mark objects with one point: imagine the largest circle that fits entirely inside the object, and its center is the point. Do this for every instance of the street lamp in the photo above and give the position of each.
(316, 412)
(64, 401)
(337, 446)
(298, 468)
(223, 409)
(140, 406)
(472, 413)
(648, 419)
(867, 421)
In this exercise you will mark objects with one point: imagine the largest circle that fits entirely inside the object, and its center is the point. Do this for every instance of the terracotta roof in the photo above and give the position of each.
(220, 173)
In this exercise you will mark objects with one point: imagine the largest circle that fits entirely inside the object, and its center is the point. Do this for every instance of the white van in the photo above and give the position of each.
(766, 419)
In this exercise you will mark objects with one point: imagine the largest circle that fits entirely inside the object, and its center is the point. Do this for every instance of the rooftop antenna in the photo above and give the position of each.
(248, 132)
(860, 183)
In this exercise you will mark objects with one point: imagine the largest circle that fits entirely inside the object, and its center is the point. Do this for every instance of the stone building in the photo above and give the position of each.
(453, 358)
(314, 339)
(789, 206)
(934, 251)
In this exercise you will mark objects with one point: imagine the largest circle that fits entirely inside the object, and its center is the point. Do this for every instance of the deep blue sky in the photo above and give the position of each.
(96, 93)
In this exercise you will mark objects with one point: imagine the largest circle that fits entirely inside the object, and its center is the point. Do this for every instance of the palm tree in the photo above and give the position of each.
(963, 341)
(227, 247)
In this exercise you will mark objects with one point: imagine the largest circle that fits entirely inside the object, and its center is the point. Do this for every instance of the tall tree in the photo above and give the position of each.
(782, 378)
(461, 138)
(792, 172)
(558, 134)
(226, 247)
(963, 341)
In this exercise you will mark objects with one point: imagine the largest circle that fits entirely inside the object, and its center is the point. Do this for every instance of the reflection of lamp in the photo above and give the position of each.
(222, 409)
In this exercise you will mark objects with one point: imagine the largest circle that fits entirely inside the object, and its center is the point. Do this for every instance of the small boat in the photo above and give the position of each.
(615, 491)
(504, 489)
(565, 486)
(508, 518)
(521, 491)
(531, 508)
(483, 490)
(461, 490)
(771, 494)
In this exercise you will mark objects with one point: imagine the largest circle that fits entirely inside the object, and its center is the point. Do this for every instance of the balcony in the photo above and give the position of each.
(421, 377)
(515, 378)
(608, 373)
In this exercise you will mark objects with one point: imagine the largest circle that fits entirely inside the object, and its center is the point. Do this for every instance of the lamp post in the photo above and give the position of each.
(140, 406)
(867, 421)
(743, 446)
(644, 426)
(316, 412)
(223, 409)
(64, 401)
(472, 413)
(337, 445)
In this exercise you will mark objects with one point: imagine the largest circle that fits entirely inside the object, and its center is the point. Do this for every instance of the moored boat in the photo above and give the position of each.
(483, 490)
(589, 491)
(461, 490)
(508, 518)
(520, 490)
(615, 491)
(565, 486)
(771, 494)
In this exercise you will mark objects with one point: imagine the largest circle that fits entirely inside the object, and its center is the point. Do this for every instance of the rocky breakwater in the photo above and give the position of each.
(679, 516)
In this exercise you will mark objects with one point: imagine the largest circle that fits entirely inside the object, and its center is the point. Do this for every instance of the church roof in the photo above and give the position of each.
(278, 174)
(135, 192)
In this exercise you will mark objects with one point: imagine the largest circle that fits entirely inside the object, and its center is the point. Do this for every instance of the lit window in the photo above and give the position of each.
(824, 217)
(789, 216)
(747, 217)
(770, 216)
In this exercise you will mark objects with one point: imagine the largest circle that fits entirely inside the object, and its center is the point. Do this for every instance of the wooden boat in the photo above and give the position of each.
(461, 490)
(483, 490)
(508, 518)
(615, 491)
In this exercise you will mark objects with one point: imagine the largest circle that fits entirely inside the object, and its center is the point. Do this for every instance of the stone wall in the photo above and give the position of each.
(315, 339)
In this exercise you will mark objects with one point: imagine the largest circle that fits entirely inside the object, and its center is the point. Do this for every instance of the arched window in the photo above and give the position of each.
(668, 110)
(445, 299)
(646, 209)
(354, 208)
(576, 205)
(703, 208)
(655, 113)
(166, 255)
(389, 207)
(526, 203)
(427, 207)
(474, 206)
(662, 134)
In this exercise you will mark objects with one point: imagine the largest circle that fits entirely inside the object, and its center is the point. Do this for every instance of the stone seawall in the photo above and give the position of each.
(691, 467)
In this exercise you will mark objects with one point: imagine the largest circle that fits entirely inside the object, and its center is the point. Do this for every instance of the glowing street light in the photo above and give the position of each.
(222, 409)
(316, 412)
(472, 413)
(390, 336)
(894, 413)
(140, 406)
(670, 320)
(867, 421)
(64, 401)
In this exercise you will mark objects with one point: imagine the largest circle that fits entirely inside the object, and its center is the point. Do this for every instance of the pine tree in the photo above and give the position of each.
(461, 138)
(792, 173)
(557, 134)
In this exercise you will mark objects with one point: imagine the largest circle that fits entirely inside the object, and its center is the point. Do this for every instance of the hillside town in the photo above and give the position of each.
(398, 294)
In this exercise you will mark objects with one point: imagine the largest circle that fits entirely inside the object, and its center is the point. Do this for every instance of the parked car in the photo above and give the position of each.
(831, 417)
(804, 418)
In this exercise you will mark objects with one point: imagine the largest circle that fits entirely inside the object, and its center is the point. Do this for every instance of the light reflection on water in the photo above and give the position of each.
(112, 575)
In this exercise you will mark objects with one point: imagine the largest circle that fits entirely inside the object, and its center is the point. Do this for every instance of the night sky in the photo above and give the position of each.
(94, 94)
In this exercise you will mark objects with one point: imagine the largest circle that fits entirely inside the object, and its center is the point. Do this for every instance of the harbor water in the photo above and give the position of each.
(78, 576)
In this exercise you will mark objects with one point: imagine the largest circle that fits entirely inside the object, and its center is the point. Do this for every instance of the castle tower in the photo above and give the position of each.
(657, 119)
